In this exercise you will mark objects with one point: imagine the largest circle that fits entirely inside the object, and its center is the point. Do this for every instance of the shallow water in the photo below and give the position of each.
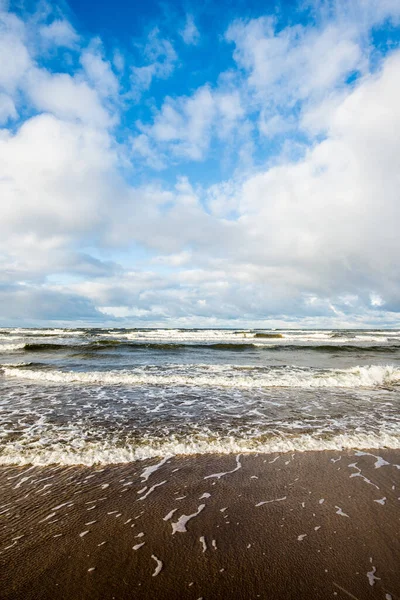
(115, 395)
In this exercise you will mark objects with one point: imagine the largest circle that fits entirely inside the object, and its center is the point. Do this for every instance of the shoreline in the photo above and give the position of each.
(309, 525)
(99, 455)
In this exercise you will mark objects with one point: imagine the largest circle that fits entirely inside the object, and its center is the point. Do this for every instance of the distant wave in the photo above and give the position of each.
(109, 345)
(205, 335)
(356, 377)
(107, 452)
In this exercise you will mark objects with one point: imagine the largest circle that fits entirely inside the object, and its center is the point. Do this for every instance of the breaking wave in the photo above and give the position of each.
(5, 348)
(91, 453)
(293, 377)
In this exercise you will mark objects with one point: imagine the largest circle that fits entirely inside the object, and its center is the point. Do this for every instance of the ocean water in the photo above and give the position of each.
(72, 396)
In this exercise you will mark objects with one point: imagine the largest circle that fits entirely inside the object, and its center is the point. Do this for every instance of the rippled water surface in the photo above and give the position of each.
(113, 395)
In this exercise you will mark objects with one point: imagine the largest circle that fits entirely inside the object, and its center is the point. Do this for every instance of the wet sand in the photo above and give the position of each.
(315, 525)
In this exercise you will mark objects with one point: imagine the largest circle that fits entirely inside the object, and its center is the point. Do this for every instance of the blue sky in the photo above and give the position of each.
(230, 164)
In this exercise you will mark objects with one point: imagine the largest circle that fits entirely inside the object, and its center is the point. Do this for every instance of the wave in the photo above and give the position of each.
(4, 348)
(121, 345)
(50, 347)
(356, 377)
(342, 348)
(104, 453)
(27, 332)
(99, 345)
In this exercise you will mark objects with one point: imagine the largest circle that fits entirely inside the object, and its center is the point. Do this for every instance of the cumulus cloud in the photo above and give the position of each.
(293, 71)
(66, 97)
(55, 177)
(184, 126)
(314, 237)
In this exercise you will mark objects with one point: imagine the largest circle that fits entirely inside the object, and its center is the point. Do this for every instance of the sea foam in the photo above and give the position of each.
(355, 377)
(91, 453)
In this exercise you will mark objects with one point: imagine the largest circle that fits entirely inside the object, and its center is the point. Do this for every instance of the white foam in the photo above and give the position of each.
(151, 490)
(170, 514)
(47, 332)
(341, 513)
(355, 377)
(371, 576)
(62, 505)
(5, 348)
(137, 546)
(380, 462)
(92, 453)
(158, 567)
(269, 501)
(180, 525)
(219, 475)
(48, 517)
(150, 470)
(359, 474)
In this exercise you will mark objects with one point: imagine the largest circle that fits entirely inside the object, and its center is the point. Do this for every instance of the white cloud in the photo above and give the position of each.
(141, 145)
(55, 178)
(118, 60)
(186, 123)
(334, 215)
(66, 97)
(184, 126)
(294, 65)
(7, 108)
(99, 71)
(302, 70)
(190, 34)
(60, 33)
(160, 57)
(14, 56)
(324, 228)
(174, 260)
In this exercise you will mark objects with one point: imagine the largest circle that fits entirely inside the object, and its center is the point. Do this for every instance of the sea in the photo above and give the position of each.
(105, 396)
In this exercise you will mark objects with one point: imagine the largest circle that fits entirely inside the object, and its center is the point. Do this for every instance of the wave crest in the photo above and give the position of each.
(356, 377)
(107, 453)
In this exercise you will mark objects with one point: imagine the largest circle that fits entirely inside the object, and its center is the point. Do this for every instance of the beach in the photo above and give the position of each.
(310, 525)
(215, 464)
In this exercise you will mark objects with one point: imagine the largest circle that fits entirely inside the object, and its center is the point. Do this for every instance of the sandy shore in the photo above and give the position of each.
(316, 525)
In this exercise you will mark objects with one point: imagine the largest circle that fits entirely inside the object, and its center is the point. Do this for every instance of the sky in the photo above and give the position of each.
(215, 164)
